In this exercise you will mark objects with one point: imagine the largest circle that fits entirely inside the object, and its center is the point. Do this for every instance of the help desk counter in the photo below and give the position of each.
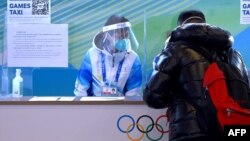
(80, 119)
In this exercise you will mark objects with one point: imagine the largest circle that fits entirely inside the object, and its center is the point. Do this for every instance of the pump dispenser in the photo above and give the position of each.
(17, 84)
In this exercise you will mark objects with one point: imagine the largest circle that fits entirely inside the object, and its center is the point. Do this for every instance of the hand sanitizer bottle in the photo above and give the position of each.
(5, 83)
(17, 84)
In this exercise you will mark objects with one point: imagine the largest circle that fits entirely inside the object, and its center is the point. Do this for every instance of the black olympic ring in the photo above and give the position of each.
(152, 125)
(141, 128)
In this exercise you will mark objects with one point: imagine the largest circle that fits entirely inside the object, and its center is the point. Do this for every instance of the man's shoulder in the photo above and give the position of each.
(176, 45)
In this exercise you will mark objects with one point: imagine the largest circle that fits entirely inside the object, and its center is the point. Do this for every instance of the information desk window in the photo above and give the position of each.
(49, 39)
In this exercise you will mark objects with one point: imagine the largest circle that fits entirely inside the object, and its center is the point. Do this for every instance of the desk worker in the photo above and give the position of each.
(110, 67)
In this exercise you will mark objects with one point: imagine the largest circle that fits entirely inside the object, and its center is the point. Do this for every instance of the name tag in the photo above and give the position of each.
(109, 91)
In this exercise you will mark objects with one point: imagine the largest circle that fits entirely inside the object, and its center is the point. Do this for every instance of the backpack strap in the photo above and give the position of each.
(204, 52)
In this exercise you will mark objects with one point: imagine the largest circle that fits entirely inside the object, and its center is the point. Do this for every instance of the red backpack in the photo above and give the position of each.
(228, 90)
(229, 111)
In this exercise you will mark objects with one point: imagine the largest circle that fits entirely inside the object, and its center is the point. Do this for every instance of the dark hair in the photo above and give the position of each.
(114, 19)
(195, 16)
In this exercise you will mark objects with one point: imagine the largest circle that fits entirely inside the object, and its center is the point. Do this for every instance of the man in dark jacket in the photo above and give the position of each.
(176, 81)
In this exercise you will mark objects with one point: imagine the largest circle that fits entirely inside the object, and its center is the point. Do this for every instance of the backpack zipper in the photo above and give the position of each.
(205, 92)
(229, 111)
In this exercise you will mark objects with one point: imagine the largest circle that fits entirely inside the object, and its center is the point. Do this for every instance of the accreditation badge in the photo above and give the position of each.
(109, 91)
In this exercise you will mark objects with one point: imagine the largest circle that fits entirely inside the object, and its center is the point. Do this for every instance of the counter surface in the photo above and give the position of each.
(71, 100)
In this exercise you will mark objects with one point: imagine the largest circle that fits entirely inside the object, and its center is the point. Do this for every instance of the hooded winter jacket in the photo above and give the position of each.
(176, 81)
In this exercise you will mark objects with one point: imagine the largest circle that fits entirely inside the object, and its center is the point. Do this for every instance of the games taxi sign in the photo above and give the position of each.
(28, 11)
(245, 12)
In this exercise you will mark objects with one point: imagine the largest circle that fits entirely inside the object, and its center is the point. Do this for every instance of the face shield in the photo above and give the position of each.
(119, 37)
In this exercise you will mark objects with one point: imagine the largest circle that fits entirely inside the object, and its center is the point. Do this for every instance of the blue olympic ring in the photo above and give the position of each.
(133, 123)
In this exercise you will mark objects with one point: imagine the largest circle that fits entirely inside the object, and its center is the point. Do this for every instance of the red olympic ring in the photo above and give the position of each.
(157, 120)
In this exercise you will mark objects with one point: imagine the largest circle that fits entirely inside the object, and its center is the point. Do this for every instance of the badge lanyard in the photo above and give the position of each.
(118, 72)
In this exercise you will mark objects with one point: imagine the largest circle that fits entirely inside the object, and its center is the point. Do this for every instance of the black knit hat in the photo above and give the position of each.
(190, 16)
(114, 19)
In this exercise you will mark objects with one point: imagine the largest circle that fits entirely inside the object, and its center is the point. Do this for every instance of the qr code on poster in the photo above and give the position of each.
(40, 7)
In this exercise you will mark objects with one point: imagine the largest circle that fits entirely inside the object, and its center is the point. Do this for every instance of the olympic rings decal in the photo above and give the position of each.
(141, 129)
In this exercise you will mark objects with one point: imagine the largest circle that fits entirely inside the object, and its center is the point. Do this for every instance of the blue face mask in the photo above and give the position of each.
(121, 44)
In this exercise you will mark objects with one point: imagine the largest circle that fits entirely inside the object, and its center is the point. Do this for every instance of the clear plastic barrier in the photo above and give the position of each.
(75, 48)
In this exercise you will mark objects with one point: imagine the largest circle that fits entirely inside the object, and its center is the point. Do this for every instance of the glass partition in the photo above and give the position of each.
(54, 45)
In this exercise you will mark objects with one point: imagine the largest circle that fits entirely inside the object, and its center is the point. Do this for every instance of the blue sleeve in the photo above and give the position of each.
(135, 76)
(85, 72)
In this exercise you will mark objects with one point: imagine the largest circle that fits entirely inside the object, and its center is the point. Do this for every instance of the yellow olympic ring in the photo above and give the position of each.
(138, 139)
